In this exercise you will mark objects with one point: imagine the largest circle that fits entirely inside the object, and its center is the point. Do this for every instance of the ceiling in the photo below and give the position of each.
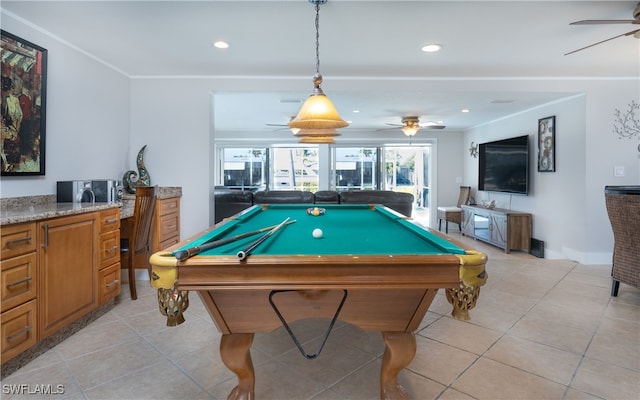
(368, 41)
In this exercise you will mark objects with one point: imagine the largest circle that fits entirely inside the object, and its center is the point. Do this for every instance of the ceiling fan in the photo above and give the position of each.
(411, 125)
(634, 21)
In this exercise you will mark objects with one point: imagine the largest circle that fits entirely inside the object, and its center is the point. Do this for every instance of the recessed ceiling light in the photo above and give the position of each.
(430, 48)
(465, 110)
(356, 111)
(220, 44)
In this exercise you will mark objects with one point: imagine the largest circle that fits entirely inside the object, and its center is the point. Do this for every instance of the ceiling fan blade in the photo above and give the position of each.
(605, 21)
(388, 129)
(433, 127)
(281, 127)
(606, 40)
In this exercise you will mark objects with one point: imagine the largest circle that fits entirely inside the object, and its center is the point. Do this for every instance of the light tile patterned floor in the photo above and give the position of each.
(543, 329)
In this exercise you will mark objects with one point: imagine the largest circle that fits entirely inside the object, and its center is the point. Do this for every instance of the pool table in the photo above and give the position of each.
(372, 267)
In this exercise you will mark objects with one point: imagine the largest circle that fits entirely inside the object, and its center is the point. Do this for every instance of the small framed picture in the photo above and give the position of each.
(547, 144)
(24, 104)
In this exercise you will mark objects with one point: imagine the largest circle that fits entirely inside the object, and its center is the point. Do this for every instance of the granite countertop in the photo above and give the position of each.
(128, 199)
(34, 208)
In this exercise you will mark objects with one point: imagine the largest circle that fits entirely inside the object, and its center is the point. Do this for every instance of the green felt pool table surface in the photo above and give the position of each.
(347, 229)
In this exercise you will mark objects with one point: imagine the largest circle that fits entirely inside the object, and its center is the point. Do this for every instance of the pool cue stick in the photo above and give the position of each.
(182, 255)
(246, 252)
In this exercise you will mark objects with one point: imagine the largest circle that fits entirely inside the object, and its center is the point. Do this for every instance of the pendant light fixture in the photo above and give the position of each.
(318, 112)
(324, 136)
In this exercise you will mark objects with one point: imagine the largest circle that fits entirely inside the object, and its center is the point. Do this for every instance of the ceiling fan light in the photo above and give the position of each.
(410, 130)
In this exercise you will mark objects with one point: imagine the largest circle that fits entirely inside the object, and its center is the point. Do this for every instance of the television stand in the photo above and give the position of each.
(507, 229)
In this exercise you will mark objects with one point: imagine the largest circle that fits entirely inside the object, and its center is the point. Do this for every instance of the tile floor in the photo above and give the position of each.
(542, 329)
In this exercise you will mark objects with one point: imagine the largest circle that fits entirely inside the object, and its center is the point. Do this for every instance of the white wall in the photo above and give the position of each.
(568, 207)
(171, 117)
(87, 128)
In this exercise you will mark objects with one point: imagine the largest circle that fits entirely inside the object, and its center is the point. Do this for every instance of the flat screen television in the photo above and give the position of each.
(504, 165)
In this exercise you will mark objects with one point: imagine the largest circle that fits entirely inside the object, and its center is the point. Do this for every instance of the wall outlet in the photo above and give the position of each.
(618, 170)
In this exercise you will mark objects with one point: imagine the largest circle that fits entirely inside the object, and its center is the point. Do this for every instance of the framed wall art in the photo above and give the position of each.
(24, 95)
(547, 144)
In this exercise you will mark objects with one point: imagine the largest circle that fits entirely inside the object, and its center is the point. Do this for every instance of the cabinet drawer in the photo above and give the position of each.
(109, 248)
(109, 220)
(18, 329)
(110, 282)
(169, 227)
(17, 239)
(18, 280)
(169, 242)
(167, 206)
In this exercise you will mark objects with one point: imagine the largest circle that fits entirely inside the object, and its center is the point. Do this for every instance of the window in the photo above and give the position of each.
(295, 168)
(406, 169)
(243, 168)
(278, 168)
(401, 168)
(355, 168)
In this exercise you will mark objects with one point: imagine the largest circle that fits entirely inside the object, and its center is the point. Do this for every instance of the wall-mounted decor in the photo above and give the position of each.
(547, 144)
(473, 150)
(627, 124)
(24, 95)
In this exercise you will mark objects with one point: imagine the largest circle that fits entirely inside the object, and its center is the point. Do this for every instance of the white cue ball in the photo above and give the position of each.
(317, 233)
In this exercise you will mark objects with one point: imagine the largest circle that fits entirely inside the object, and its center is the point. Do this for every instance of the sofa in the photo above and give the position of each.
(283, 197)
(230, 202)
(397, 201)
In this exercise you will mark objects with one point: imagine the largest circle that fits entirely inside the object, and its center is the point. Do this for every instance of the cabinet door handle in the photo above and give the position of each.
(112, 220)
(109, 285)
(45, 228)
(20, 332)
(27, 279)
(111, 250)
(14, 242)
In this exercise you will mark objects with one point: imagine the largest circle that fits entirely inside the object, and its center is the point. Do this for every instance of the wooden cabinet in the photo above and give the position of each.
(67, 272)
(55, 271)
(18, 304)
(109, 282)
(166, 224)
(506, 229)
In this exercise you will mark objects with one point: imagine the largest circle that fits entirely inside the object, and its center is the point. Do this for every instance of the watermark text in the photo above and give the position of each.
(29, 388)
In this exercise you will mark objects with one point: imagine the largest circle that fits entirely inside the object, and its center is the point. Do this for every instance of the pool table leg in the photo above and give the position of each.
(400, 350)
(235, 351)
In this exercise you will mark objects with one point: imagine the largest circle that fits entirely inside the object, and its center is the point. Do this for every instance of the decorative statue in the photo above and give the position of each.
(131, 179)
